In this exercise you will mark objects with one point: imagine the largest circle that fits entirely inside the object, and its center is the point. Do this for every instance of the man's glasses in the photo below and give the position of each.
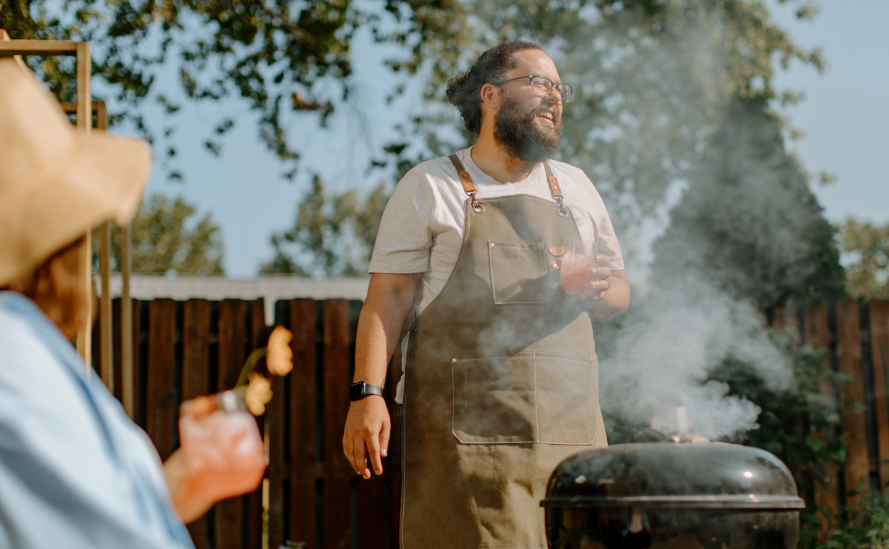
(543, 86)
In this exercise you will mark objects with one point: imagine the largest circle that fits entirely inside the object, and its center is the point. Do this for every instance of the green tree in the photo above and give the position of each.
(167, 236)
(332, 234)
(652, 80)
(259, 50)
(748, 221)
(867, 248)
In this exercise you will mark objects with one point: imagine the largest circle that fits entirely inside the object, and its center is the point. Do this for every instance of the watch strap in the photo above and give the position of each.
(361, 389)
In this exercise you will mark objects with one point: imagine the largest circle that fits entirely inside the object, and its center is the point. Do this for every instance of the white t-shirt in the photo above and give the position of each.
(422, 226)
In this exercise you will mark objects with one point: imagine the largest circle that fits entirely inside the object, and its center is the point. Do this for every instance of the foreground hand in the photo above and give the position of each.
(367, 434)
(221, 456)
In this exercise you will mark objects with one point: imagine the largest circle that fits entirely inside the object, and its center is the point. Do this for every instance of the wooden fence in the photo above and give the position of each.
(856, 337)
(312, 499)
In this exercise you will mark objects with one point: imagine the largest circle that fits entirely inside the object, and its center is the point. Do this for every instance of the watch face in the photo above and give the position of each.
(356, 391)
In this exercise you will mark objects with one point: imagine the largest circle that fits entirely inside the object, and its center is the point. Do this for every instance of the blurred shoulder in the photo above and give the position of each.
(18, 334)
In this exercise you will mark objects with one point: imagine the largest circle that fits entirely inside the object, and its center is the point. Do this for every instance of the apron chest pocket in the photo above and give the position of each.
(519, 273)
(523, 398)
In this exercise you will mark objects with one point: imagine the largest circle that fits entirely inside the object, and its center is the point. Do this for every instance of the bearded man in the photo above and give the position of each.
(500, 375)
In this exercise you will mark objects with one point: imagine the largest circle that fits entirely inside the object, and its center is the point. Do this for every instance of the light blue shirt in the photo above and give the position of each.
(75, 471)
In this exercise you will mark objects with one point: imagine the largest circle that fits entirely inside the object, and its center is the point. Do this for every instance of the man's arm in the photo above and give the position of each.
(389, 299)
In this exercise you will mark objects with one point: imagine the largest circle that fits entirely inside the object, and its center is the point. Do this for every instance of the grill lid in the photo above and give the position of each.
(714, 475)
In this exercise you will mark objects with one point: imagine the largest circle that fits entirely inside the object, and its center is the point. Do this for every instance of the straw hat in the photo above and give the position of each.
(55, 182)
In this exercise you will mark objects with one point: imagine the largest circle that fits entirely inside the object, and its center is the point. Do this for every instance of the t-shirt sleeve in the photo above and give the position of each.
(606, 238)
(606, 241)
(405, 234)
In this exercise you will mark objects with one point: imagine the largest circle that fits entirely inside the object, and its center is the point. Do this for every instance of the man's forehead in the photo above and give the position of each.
(533, 62)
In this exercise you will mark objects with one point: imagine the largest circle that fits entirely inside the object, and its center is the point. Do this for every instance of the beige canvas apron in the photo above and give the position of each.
(500, 381)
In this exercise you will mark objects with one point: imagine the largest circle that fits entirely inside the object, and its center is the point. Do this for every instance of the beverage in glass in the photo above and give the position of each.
(574, 275)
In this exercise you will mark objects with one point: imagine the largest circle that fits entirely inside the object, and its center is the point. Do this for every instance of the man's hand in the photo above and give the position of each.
(609, 294)
(599, 277)
(367, 434)
(389, 298)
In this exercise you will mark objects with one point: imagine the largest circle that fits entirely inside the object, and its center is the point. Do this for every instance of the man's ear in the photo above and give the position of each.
(491, 96)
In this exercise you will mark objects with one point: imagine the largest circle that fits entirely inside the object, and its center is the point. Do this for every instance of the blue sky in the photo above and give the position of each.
(845, 119)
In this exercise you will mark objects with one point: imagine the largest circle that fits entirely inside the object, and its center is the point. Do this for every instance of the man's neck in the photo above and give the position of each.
(495, 162)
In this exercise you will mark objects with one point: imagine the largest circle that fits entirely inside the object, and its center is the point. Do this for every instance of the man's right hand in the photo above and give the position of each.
(367, 434)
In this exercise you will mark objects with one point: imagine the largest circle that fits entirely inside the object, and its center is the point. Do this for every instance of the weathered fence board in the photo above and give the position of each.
(304, 419)
(337, 471)
(787, 321)
(258, 339)
(879, 338)
(857, 464)
(232, 339)
(196, 376)
(817, 335)
(160, 413)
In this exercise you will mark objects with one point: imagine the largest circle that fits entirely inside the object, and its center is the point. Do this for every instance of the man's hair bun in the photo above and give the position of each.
(464, 90)
(456, 85)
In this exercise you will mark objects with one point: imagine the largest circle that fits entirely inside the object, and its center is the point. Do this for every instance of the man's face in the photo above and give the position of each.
(527, 125)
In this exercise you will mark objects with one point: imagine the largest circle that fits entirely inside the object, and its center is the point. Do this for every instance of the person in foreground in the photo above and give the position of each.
(75, 471)
(500, 372)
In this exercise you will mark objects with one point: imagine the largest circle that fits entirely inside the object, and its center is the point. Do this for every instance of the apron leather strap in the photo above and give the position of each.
(468, 185)
(553, 183)
(555, 189)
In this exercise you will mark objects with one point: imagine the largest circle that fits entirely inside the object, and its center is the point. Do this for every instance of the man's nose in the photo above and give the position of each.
(554, 96)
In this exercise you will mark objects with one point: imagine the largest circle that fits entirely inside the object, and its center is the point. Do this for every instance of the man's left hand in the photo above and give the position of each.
(599, 275)
(609, 294)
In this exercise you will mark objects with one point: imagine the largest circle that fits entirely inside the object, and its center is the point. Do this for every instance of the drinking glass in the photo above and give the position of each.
(221, 441)
(574, 275)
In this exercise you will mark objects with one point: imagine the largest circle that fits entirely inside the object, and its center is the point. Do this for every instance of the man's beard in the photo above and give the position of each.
(517, 132)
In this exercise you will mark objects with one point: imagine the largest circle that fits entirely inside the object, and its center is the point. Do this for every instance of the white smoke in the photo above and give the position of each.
(672, 343)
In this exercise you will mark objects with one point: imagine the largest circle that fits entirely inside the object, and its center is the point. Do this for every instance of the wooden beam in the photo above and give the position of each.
(127, 369)
(9, 48)
(98, 108)
(106, 314)
(106, 352)
(4, 37)
(84, 123)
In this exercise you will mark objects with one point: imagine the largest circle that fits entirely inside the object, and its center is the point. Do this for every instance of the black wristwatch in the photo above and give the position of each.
(359, 390)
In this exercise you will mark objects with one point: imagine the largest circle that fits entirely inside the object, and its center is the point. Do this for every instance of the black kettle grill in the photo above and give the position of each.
(672, 496)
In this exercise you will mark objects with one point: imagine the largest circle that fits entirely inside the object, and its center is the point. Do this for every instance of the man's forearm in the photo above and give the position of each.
(389, 299)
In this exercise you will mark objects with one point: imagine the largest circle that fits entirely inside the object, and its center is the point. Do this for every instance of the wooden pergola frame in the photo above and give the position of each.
(84, 110)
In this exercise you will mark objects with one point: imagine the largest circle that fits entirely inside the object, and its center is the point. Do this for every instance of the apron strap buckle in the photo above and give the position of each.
(468, 185)
(555, 189)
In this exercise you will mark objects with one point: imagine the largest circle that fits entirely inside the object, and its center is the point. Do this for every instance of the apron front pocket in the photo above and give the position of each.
(519, 273)
(523, 398)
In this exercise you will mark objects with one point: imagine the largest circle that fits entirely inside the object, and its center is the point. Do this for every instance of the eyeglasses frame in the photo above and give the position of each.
(531, 78)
